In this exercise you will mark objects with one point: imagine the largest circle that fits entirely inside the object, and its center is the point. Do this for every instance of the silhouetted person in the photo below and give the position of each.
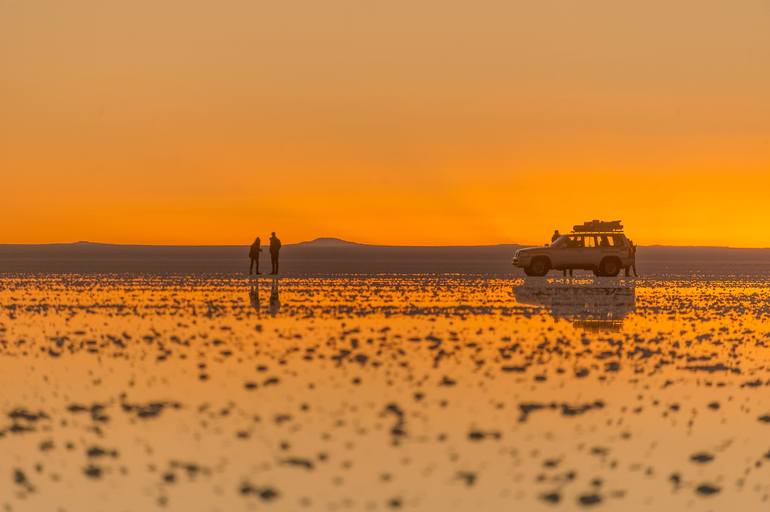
(275, 301)
(632, 249)
(254, 296)
(254, 251)
(275, 247)
(555, 236)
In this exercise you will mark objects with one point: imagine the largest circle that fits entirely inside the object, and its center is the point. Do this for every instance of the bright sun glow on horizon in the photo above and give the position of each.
(403, 123)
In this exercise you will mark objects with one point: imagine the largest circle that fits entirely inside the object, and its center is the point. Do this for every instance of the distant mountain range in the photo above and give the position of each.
(327, 255)
(329, 242)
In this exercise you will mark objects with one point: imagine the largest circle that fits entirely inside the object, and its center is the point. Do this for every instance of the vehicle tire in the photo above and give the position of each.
(609, 267)
(539, 267)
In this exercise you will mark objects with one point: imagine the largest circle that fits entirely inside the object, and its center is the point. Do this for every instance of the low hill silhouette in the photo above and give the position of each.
(328, 242)
(327, 256)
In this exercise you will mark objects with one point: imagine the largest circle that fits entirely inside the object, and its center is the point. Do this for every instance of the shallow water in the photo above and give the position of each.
(381, 393)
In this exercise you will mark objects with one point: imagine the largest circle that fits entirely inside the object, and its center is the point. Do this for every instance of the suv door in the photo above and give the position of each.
(590, 255)
(569, 254)
(605, 246)
(611, 245)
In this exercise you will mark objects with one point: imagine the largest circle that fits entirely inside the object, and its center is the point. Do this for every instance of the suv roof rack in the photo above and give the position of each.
(591, 233)
(598, 226)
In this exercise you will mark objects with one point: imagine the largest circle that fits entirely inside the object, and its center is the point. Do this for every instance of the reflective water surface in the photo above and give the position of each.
(383, 393)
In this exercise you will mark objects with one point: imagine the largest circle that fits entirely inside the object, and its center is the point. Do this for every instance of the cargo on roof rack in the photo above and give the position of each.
(594, 226)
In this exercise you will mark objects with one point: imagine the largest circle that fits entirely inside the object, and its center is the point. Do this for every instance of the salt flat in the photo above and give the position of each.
(422, 392)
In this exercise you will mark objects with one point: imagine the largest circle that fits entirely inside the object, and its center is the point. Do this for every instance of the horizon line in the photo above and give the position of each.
(344, 242)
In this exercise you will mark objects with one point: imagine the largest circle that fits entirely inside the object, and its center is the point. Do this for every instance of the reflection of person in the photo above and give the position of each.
(275, 247)
(254, 251)
(275, 301)
(254, 297)
(632, 250)
(555, 236)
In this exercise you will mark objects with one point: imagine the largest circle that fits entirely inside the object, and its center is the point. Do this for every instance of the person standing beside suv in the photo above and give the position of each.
(632, 266)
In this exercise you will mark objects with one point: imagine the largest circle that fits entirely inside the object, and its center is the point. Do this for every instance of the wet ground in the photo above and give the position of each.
(383, 393)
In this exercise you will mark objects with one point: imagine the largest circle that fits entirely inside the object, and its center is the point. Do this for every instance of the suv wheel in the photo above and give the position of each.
(609, 267)
(539, 267)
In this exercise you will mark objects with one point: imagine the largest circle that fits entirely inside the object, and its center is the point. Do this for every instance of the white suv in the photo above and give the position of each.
(604, 252)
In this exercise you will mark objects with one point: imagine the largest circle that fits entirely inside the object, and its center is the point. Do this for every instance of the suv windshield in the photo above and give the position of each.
(560, 242)
(568, 241)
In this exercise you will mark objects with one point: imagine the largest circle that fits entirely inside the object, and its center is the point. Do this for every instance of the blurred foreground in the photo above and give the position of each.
(381, 393)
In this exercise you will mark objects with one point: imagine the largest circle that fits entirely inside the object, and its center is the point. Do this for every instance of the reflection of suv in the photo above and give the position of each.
(589, 307)
(590, 247)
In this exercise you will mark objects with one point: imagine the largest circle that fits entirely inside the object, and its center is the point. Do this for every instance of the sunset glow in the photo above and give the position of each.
(423, 123)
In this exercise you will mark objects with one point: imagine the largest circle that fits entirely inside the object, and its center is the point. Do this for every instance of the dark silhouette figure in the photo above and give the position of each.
(275, 247)
(275, 301)
(632, 248)
(254, 251)
(254, 296)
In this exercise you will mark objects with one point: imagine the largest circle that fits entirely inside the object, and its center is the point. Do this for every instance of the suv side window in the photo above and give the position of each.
(606, 241)
(619, 240)
(590, 241)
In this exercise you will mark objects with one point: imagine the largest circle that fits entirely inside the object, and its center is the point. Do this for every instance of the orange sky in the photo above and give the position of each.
(402, 122)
